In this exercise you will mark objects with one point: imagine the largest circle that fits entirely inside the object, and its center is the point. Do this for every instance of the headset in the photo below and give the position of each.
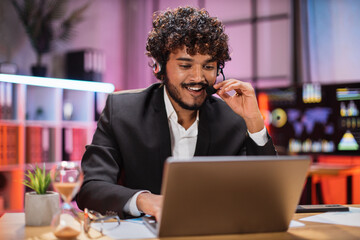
(156, 66)
(210, 90)
(220, 71)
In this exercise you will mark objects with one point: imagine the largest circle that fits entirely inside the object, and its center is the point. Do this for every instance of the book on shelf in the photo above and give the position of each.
(6, 100)
(2, 99)
(87, 64)
(74, 142)
(40, 144)
(9, 101)
(2, 145)
(12, 145)
(9, 138)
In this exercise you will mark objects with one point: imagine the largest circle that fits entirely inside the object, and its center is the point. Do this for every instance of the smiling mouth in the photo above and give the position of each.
(195, 87)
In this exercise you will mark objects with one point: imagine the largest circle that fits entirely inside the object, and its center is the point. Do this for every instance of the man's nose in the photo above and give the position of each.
(197, 74)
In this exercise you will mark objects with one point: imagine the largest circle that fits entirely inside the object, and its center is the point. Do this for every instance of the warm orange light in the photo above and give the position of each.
(263, 101)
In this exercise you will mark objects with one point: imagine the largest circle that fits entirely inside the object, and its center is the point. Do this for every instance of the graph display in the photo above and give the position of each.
(315, 119)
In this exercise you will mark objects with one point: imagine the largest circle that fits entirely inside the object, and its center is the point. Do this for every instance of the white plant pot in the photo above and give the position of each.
(40, 208)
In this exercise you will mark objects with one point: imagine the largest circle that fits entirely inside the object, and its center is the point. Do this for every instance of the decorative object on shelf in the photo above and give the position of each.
(68, 109)
(8, 68)
(45, 23)
(39, 113)
(38, 70)
(40, 205)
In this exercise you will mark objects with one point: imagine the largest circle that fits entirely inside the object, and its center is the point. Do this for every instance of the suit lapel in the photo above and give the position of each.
(162, 125)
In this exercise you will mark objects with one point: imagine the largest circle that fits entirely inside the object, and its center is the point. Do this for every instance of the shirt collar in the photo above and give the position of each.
(170, 111)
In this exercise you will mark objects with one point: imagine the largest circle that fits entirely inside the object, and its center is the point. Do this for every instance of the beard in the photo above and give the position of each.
(175, 94)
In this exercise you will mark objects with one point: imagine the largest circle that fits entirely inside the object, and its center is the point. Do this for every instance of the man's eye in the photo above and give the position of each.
(209, 67)
(185, 66)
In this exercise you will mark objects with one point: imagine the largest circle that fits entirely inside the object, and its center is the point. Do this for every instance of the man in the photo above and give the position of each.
(138, 131)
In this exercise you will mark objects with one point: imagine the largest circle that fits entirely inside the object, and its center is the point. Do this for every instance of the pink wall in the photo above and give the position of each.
(102, 28)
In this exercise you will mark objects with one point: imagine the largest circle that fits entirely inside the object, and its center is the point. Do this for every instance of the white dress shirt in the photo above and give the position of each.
(183, 143)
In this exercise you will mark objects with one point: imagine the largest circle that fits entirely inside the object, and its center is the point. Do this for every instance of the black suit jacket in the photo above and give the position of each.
(132, 142)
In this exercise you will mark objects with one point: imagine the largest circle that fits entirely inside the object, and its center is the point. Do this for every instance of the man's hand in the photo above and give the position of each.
(150, 204)
(243, 102)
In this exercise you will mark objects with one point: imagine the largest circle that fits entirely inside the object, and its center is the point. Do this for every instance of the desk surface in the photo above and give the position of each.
(327, 169)
(12, 226)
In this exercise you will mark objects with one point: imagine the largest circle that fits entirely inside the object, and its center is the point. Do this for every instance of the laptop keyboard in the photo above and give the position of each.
(151, 223)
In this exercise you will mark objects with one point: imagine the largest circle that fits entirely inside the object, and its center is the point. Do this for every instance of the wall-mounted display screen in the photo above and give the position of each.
(314, 118)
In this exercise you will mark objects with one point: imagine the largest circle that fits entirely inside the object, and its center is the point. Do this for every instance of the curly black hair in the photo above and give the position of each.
(189, 27)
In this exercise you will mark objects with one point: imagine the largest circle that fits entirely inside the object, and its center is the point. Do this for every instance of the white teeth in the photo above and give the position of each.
(194, 88)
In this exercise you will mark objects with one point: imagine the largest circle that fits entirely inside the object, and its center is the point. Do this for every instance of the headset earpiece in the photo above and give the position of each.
(210, 90)
(156, 66)
(220, 71)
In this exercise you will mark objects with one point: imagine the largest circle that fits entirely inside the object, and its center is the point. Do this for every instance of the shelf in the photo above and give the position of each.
(48, 166)
(79, 124)
(47, 120)
(9, 122)
(9, 168)
(58, 83)
(42, 123)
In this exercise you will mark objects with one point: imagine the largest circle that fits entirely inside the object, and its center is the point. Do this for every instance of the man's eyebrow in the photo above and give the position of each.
(185, 59)
(191, 60)
(210, 60)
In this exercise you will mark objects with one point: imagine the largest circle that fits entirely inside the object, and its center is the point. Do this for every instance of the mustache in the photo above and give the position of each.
(192, 84)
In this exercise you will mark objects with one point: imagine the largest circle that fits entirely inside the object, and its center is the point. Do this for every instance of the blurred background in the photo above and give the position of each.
(301, 56)
(274, 43)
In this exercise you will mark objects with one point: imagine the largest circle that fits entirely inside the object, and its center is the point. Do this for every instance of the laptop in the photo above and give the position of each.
(229, 195)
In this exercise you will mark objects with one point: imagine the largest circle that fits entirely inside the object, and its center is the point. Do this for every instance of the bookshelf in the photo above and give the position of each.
(43, 120)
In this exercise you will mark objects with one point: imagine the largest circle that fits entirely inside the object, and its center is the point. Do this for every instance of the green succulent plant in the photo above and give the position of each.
(38, 180)
(46, 22)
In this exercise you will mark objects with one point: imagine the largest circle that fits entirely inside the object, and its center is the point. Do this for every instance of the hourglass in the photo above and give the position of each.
(66, 178)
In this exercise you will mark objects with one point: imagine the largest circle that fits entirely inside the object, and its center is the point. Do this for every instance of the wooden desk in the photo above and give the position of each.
(12, 227)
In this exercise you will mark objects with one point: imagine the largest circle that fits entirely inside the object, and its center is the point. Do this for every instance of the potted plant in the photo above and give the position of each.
(40, 205)
(45, 23)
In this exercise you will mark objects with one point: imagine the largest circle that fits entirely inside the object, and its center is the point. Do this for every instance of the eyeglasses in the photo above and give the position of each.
(91, 216)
